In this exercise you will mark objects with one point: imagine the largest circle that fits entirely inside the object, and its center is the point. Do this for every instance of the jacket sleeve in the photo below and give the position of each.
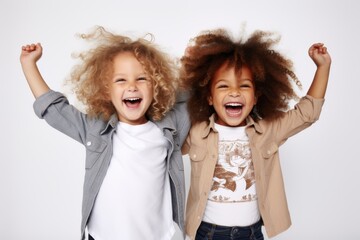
(58, 113)
(305, 113)
(182, 115)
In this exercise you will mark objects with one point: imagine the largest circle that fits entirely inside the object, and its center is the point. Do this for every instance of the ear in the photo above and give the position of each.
(210, 100)
(256, 97)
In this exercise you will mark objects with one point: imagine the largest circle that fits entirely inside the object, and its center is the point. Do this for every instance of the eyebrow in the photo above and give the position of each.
(247, 80)
(124, 74)
(240, 80)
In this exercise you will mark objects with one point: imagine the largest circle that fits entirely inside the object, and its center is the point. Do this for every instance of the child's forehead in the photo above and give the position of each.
(238, 69)
(127, 57)
(125, 54)
(126, 63)
(231, 73)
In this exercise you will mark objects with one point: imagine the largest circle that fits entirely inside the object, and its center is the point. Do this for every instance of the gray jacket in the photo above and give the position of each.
(96, 136)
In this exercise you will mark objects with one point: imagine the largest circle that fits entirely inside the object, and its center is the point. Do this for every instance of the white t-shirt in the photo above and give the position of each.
(134, 201)
(232, 200)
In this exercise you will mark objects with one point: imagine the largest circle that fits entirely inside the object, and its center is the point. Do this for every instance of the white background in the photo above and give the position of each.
(41, 170)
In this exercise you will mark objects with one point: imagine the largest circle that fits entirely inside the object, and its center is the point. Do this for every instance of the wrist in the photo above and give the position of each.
(324, 67)
(28, 64)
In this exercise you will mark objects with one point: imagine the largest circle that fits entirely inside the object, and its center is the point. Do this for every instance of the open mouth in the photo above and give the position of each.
(132, 102)
(233, 108)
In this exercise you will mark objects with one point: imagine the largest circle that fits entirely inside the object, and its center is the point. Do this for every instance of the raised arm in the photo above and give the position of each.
(322, 59)
(30, 54)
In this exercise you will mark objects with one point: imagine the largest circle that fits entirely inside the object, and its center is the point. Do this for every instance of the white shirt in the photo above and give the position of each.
(232, 200)
(134, 201)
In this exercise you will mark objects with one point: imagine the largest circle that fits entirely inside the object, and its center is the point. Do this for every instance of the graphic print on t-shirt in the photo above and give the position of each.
(234, 178)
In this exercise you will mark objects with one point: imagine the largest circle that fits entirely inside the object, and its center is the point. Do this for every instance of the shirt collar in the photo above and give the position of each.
(164, 123)
(211, 126)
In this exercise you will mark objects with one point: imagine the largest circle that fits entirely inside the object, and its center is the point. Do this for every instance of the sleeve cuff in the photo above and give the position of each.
(44, 101)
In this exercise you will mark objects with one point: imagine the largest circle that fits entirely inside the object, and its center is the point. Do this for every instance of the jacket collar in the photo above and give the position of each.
(113, 120)
(251, 122)
(166, 123)
(211, 125)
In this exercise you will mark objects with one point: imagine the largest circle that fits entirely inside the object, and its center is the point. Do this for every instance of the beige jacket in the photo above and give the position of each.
(265, 138)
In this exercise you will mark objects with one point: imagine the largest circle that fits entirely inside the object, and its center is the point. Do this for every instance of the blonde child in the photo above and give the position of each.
(132, 132)
(240, 118)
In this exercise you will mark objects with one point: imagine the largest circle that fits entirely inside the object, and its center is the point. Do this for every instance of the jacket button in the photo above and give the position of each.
(88, 143)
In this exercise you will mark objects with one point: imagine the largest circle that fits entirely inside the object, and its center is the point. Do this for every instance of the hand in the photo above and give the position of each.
(322, 59)
(30, 53)
(319, 54)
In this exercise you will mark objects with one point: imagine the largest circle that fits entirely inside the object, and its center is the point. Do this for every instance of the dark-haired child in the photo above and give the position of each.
(239, 110)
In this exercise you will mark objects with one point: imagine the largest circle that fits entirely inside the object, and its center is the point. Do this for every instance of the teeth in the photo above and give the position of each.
(233, 104)
(132, 99)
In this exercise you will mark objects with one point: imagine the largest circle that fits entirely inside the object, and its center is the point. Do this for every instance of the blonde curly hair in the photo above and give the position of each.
(91, 77)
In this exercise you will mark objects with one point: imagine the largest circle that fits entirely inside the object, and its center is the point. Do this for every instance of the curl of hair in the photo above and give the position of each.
(272, 72)
(91, 77)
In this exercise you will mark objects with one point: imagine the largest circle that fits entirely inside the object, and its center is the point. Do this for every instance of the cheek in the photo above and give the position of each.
(148, 95)
(148, 88)
(251, 98)
(109, 95)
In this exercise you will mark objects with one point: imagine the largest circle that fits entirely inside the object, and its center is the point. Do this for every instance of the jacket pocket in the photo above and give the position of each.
(94, 148)
(197, 156)
(269, 150)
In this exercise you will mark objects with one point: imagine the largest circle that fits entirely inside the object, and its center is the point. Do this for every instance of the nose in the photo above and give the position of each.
(234, 92)
(132, 87)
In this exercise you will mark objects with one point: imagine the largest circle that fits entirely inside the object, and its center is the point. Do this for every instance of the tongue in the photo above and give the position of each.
(132, 104)
(233, 110)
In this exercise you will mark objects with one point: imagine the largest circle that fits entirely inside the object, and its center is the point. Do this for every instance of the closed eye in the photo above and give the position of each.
(246, 84)
(222, 86)
(119, 80)
(141, 78)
